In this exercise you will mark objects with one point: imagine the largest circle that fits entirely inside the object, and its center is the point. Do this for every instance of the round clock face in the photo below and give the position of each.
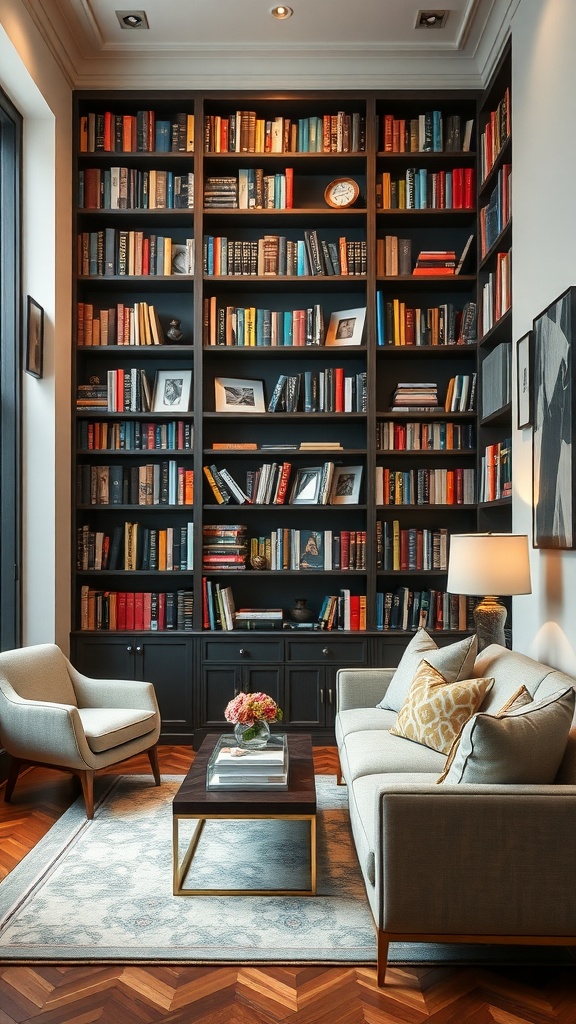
(341, 192)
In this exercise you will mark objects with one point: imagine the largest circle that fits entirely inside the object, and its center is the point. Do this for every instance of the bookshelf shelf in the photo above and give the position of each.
(195, 669)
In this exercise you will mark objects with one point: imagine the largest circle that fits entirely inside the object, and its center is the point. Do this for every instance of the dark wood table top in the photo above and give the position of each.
(300, 797)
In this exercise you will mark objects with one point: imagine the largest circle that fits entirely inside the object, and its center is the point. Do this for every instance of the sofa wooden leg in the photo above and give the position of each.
(87, 780)
(13, 771)
(153, 758)
(339, 777)
(382, 962)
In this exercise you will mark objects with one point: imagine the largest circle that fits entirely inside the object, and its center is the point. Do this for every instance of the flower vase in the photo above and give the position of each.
(252, 735)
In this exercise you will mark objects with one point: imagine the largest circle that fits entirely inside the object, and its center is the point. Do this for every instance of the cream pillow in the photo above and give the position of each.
(454, 662)
(436, 710)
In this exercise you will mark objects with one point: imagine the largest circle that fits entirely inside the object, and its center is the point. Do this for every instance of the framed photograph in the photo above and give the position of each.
(553, 469)
(172, 389)
(233, 394)
(306, 486)
(34, 338)
(346, 485)
(524, 380)
(311, 549)
(346, 327)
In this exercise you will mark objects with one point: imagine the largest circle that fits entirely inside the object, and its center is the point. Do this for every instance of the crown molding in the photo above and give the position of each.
(89, 63)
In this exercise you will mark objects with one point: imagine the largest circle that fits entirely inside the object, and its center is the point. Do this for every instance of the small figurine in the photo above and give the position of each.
(174, 332)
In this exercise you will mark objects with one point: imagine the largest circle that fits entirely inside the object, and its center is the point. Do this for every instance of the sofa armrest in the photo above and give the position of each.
(361, 687)
(476, 860)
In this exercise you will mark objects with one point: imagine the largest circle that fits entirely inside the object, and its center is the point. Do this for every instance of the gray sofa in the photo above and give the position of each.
(464, 861)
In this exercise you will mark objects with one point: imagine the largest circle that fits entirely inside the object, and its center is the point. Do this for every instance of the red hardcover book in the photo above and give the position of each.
(355, 612)
(339, 389)
(469, 189)
(205, 614)
(459, 486)
(139, 610)
(388, 130)
(121, 610)
(344, 548)
(458, 188)
(404, 540)
(130, 611)
(289, 173)
(283, 483)
(147, 609)
(162, 611)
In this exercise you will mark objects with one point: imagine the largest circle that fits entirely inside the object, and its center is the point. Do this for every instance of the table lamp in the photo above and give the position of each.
(490, 564)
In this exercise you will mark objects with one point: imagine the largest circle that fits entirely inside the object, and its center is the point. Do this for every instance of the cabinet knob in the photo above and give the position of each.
(138, 650)
(330, 696)
(130, 649)
(321, 696)
(325, 650)
(243, 652)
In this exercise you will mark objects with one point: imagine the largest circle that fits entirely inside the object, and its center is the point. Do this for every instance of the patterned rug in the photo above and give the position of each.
(101, 890)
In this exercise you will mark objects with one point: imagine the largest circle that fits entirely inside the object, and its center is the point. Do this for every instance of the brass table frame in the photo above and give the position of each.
(181, 869)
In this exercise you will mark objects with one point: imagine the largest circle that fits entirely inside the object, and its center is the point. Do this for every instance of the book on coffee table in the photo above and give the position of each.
(234, 767)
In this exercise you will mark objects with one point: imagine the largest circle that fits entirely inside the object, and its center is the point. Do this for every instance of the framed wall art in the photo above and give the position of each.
(553, 470)
(524, 372)
(34, 338)
(234, 394)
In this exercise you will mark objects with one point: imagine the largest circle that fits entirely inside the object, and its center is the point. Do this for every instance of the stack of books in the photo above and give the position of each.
(259, 618)
(435, 263)
(416, 397)
(225, 547)
(232, 767)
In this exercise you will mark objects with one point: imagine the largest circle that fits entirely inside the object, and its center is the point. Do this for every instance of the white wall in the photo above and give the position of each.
(544, 264)
(39, 90)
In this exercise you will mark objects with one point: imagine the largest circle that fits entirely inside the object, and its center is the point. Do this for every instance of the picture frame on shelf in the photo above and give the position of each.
(346, 327)
(553, 465)
(34, 364)
(172, 390)
(524, 371)
(236, 394)
(306, 486)
(346, 485)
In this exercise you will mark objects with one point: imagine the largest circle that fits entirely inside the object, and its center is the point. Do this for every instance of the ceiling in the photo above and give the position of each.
(237, 43)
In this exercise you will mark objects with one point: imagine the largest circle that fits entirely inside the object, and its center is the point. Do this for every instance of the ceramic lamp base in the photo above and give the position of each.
(490, 618)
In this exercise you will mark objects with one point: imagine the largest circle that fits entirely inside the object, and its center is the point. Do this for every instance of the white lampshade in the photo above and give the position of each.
(489, 563)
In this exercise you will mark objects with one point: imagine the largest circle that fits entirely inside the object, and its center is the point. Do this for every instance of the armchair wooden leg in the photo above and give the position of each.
(87, 780)
(153, 758)
(382, 962)
(13, 771)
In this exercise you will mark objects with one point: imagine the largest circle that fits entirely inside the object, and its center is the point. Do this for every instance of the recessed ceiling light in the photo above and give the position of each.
(132, 19)
(431, 19)
(281, 12)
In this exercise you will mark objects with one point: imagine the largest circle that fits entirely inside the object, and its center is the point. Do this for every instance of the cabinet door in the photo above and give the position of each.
(263, 679)
(168, 664)
(305, 694)
(220, 683)
(112, 658)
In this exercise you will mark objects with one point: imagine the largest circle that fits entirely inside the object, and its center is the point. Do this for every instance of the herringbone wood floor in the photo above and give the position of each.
(119, 994)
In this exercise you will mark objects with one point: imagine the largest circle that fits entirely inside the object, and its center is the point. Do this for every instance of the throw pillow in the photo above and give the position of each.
(524, 746)
(454, 662)
(436, 710)
(518, 699)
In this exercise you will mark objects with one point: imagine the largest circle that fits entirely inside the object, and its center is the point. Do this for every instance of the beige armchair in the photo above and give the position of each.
(52, 715)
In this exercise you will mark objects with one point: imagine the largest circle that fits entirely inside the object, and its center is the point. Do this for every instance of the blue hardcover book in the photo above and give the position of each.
(437, 141)
(422, 179)
(240, 326)
(379, 610)
(380, 322)
(302, 265)
(288, 334)
(162, 136)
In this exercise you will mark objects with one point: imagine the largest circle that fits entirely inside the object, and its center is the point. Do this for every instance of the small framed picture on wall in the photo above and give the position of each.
(34, 338)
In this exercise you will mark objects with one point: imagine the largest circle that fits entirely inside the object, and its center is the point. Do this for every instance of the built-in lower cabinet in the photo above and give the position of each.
(167, 662)
(196, 676)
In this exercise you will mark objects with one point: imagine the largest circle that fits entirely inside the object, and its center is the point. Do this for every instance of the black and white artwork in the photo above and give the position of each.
(553, 449)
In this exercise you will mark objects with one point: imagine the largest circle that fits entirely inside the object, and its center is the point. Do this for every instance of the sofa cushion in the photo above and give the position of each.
(511, 670)
(107, 728)
(436, 710)
(362, 720)
(524, 746)
(377, 752)
(456, 661)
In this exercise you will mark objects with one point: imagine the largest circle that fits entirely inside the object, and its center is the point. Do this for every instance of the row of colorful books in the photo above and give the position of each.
(158, 483)
(280, 256)
(408, 610)
(425, 486)
(412, 436)
(116, 252)
(128, 188)
(153, 611)
(133, 546)
(428, 132)
(409, 548)
(243, 131)
(135, 435)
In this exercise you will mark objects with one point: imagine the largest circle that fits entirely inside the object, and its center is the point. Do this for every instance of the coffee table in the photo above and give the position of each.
(193, 801)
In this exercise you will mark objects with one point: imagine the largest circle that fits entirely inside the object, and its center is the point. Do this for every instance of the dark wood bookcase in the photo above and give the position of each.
(196, 669)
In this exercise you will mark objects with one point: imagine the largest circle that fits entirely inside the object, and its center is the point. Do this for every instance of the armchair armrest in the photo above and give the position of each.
(475, 860)
(38, 730)
(113, 693)
(361, 687)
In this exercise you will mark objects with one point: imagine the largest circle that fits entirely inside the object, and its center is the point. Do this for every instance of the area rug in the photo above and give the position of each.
(101, 890)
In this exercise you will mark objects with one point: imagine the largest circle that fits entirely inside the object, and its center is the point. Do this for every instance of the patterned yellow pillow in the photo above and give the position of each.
(435, 711)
